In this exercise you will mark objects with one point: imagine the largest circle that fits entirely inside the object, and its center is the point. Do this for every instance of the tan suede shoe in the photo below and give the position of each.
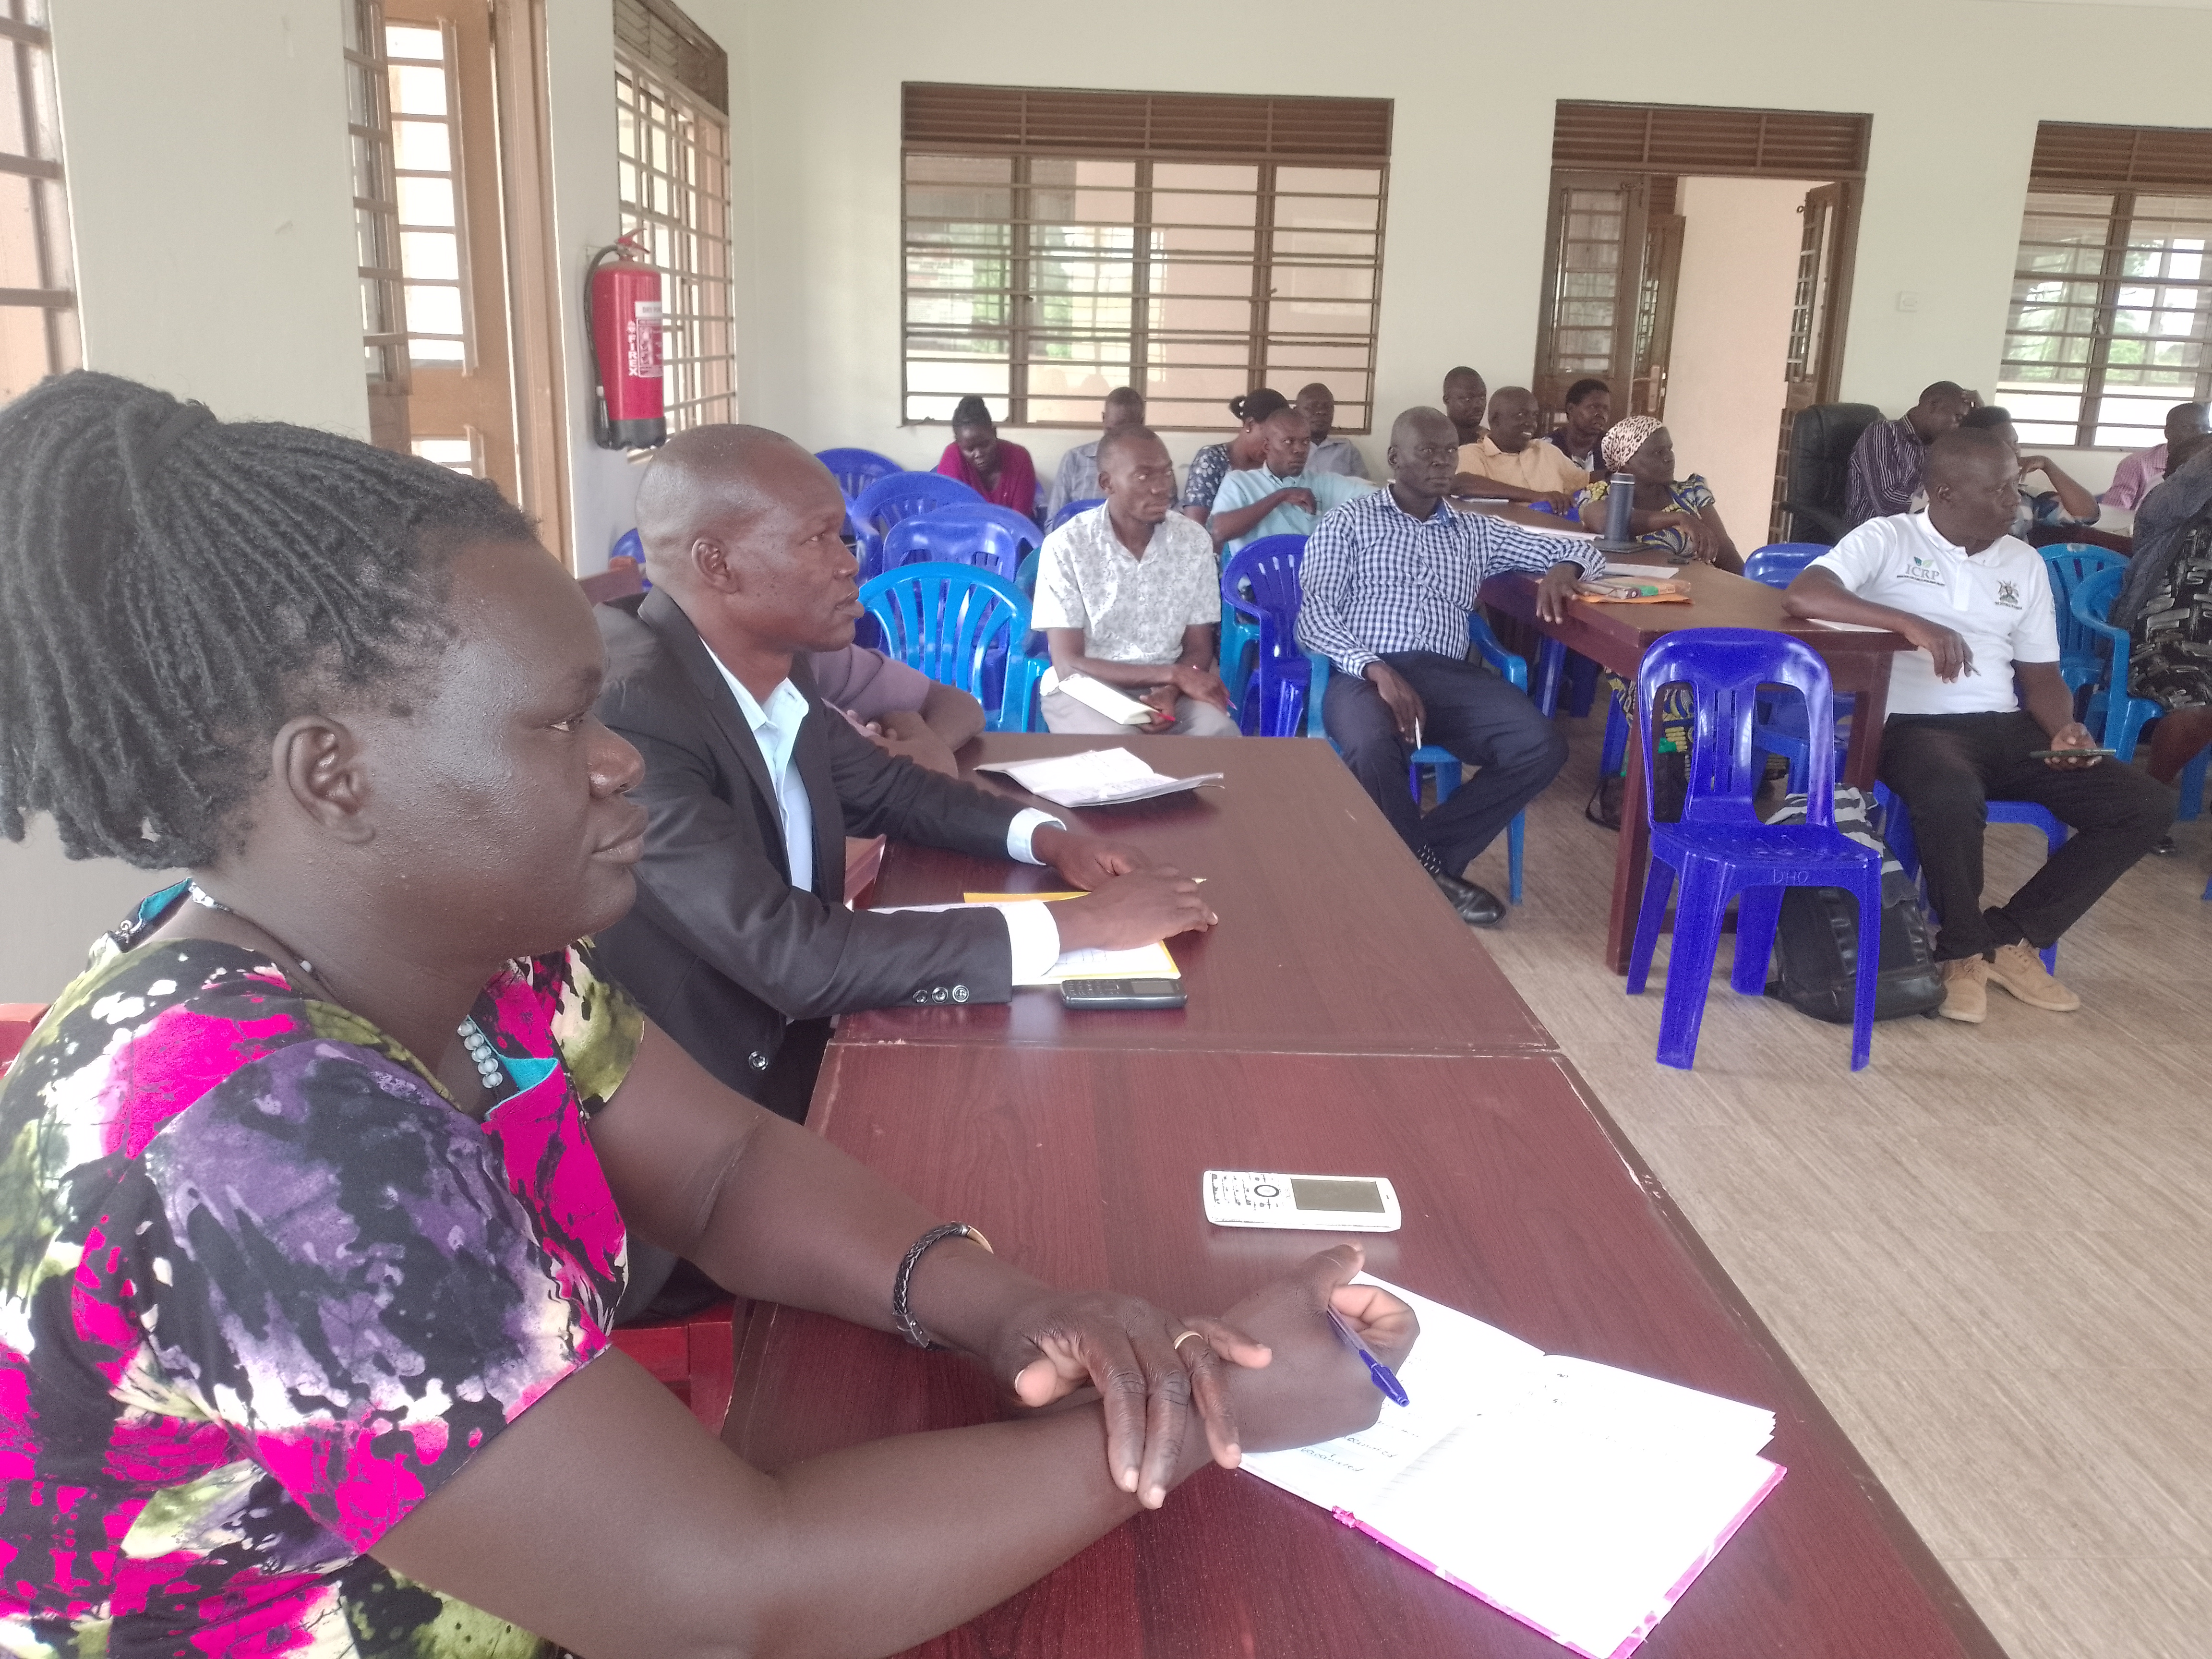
(1966, 990)
(2020, 971)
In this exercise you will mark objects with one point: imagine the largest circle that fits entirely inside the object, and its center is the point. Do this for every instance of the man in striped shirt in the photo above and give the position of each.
(1388, 583)
(1891, 457)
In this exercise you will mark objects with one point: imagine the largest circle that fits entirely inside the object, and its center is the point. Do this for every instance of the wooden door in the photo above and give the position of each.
(460, 402)
(1655, 314)
(1594, 251)
(1813, 372)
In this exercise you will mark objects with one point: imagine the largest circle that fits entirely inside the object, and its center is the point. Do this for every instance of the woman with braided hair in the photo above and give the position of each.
(315, 1187)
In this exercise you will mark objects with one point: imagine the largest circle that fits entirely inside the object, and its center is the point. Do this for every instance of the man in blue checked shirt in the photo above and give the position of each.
(1389, 582)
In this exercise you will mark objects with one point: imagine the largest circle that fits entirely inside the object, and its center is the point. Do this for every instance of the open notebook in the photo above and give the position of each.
(1577, 1498)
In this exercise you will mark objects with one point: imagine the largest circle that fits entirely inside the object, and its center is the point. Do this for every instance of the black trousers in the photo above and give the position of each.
(1472, 713)
(1945, 767)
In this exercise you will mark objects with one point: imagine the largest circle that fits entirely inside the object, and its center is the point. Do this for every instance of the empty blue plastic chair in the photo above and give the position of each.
(1447, 764)
(1897, 834)
(1720, 848)
(956, 623)
(1074, 508)
(2118, 717)
(1777, 564)
(961, 534)
(902, 495)
(1261, 577)
(854, 469)
(2081, 659)
(1280, 697)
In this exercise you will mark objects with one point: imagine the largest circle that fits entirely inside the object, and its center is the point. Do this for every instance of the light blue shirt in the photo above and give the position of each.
(1030, 930)
(1330, 489)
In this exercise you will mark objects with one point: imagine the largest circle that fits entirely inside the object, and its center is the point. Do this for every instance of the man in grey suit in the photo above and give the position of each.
(740, 945)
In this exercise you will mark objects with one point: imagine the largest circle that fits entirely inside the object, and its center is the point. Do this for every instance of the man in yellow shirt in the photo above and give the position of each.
(1508, 462)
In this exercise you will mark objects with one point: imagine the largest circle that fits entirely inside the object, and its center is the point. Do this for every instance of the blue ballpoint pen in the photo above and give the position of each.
(1385, 1378)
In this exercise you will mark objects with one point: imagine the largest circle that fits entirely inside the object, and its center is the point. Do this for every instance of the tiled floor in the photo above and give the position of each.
(1990, 1251)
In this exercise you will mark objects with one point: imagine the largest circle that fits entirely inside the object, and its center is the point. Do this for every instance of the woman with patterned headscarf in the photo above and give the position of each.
(1676, 517)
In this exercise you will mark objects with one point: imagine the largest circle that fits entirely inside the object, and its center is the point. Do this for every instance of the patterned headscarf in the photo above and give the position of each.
(1626, 436)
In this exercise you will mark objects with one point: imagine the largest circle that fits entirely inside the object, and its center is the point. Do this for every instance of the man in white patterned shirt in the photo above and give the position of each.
(1127, 595)
(1387, 584)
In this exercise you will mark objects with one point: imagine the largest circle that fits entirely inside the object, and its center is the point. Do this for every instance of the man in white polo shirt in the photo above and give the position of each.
(1127, 595)
(1976, 601)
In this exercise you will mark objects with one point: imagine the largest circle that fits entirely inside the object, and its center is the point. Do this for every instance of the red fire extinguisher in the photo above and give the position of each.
(625, 303)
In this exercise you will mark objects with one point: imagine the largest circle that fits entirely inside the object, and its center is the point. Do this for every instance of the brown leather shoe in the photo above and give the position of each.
(1966, 990)
(2021, 972)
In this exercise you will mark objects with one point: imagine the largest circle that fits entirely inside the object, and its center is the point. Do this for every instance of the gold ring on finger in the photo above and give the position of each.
(1184, 1337)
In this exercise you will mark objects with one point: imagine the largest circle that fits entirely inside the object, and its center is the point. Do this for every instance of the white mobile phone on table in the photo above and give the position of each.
(1336, 1204)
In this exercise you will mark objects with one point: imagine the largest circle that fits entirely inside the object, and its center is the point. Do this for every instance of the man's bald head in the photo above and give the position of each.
(1973, 486)
(1415, 425)
(712, 482)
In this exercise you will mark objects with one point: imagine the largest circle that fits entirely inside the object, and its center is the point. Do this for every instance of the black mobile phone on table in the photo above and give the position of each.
(1121, 993)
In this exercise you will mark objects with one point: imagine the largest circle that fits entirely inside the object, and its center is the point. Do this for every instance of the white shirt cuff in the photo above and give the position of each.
(1026, 824)
(1034, 937)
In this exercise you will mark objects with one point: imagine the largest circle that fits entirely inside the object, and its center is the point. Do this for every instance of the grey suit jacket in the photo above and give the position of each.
(720, 949)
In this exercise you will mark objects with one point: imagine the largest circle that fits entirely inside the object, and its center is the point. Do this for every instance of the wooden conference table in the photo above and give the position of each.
(1616, 637)
(1341, 1020)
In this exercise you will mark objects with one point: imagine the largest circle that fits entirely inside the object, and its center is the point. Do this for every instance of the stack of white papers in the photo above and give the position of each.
(1095, 777)
(1579, 1498)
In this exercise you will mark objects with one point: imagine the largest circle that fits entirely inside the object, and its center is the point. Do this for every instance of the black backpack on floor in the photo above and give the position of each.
(1816, 942)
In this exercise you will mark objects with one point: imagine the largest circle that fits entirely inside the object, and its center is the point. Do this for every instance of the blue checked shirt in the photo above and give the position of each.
(1376, 581)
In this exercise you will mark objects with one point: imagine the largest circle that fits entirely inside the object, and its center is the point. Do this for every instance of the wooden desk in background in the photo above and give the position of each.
(1076, 1142)
(1616, 637)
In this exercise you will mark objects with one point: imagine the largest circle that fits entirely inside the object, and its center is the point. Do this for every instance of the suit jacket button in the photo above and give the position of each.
(936, 995)
(921, 996)
(960, 993)
(757, 1061)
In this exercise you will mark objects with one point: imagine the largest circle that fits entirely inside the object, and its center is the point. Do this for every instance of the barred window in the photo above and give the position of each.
(671, 98)
(2112, 293)
(1059, 244)
(38, 304)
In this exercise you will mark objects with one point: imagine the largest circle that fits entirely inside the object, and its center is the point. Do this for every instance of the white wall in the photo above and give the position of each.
(1725, 385)
(1955, 87)
(211, 196)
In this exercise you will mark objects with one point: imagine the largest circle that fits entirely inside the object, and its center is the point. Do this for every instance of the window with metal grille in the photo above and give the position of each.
(671, 102)
(1059, 244)
(38, 306)
(2111, 300)
(375, 197)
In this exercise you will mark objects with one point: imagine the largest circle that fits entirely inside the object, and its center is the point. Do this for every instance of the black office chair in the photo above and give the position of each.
(1821, 440)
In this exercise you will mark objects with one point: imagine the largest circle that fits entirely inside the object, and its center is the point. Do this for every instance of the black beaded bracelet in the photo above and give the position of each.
(902, 1311)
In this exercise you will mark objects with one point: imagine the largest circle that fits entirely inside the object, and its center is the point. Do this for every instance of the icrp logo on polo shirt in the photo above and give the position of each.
(1920, 567)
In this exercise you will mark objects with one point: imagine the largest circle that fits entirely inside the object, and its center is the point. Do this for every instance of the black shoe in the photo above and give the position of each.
(2166, 848)
(1604, 808)
(1478, 907)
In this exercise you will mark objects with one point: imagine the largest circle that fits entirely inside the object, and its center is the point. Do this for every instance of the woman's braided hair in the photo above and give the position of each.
(174, 588)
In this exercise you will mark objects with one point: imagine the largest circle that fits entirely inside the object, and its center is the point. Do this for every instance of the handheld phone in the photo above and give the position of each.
(1121, 993)
(1335, 1204)
(2083, 754)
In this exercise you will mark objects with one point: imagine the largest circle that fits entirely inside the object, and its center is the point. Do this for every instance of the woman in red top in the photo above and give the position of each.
(1000, 473)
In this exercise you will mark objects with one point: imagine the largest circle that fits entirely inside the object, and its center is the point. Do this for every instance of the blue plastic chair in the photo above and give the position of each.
(1777, 564)
(956, 624)
(1074, 508)
(2118, 717)
(854, 469)
(2080, 661)
(1904, 845)
(2192, 785)
(980, 536)
(1261, 577)
(1721, 849)
(1280, 697)
(1447, 764)
(902, 495)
